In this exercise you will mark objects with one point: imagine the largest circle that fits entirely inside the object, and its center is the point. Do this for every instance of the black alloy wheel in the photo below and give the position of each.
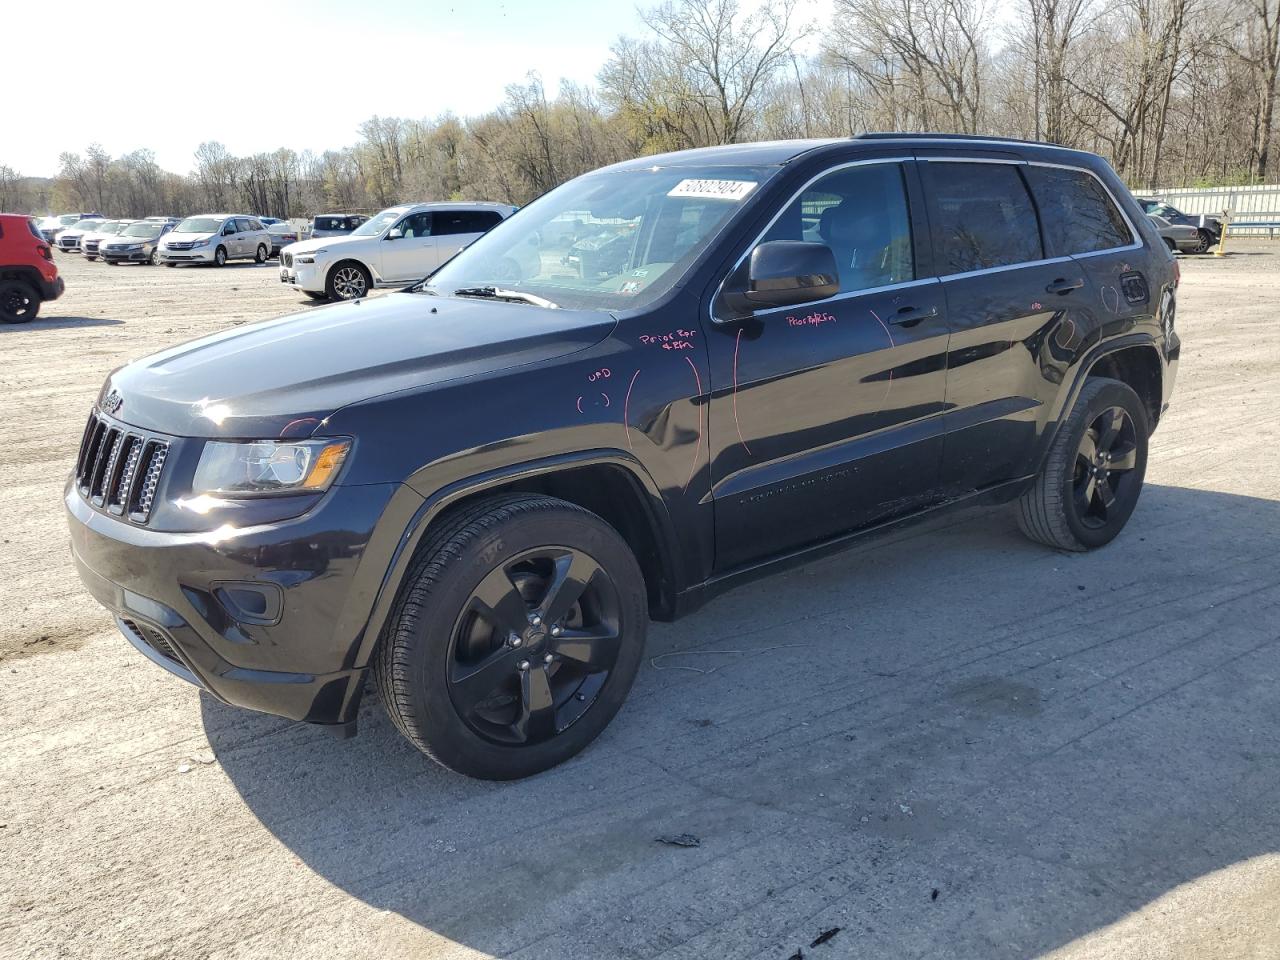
(1092, 477)
(515, 638)
(534, 645)
(1104, 477)
(19, 302)
(1204, 241)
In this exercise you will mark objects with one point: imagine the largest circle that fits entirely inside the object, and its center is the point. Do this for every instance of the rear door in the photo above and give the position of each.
(455, 229)
(1005, 295)
(827, 417)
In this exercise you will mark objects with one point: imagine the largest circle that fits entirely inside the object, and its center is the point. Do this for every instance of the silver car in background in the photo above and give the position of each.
(1178, 237)
(137, 243)
(216, 238)
(90, 242)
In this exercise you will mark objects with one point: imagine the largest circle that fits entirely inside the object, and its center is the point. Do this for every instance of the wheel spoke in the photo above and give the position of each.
(1124, 457)
(1112, 421)
(1088, 447)
(1084, 495)
(473, 683)
(573, 571)
(498, 601)
(537, 720)
(1106, 495)
(596, 647)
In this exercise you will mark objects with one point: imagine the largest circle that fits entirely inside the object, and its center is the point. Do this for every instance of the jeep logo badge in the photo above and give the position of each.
(112, 402)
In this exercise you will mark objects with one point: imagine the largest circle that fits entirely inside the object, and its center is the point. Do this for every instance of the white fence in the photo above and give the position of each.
(1258, 205)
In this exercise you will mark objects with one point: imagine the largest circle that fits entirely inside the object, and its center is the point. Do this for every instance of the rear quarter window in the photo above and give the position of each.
(981, 215)
(1078, 214)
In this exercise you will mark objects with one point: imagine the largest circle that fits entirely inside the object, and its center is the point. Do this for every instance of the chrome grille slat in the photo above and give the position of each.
(119, 470)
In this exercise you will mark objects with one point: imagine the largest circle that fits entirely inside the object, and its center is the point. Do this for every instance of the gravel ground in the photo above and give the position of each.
(962, 745)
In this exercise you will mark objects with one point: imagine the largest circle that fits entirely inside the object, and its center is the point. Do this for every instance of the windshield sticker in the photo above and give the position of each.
(713, 189)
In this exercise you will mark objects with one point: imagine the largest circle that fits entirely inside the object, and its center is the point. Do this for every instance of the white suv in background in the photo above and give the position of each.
(397, 246)
(215, 238)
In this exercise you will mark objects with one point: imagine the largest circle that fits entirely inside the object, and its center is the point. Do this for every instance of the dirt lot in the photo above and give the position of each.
(961, 745)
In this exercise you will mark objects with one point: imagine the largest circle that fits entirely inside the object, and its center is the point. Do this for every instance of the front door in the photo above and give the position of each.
(827, 417)
(411, 254)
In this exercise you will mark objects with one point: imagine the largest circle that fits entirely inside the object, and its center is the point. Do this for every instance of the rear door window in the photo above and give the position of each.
(464, 221)
(1076, 211)
(860, 212)
(981, 216)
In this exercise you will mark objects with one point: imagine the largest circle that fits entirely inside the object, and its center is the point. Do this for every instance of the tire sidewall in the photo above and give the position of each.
(220, 257)
(330, 282)
(1111, 394)
(29, 293)
(434, 717)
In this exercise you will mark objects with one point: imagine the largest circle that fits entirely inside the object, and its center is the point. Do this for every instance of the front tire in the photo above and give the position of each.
(220, 257)
(516, 637)
(19, 302)
(348, 281)
(1092, 477)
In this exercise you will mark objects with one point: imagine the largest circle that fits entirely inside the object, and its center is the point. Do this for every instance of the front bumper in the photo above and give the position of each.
(306, 276)
(120, 256)
(195, 255)
(174, 597)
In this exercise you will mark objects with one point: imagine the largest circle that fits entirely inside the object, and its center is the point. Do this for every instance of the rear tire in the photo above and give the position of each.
(471, 673)
(1205, 242)
(19, 302)
(1092, 477)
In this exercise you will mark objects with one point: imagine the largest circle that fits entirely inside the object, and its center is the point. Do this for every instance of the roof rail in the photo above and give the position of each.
(951, 136)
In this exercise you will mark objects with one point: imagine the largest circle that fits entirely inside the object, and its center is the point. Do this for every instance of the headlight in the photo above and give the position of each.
(133, 246)
(264, 467)
(200, 243)
(307, 259)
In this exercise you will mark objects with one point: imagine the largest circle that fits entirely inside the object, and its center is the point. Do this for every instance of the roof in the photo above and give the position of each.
(764, 153)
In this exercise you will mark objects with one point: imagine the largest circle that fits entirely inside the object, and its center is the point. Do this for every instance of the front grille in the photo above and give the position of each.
(179, 245)
(153, 638)
(288, 259)
(119, 469)
(92, 245)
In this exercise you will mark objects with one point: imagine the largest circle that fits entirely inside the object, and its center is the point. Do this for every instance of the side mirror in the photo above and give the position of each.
(228, 230)
(783, 273)
(395, 233)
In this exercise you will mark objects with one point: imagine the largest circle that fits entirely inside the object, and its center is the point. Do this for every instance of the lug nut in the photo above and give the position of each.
(555, 631)
(536, 620)
(523, 665)
(515, 641)
(548, 658)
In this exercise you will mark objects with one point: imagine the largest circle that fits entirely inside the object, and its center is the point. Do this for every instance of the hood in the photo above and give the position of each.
(311, 246)
(188, 237)
(260, 380)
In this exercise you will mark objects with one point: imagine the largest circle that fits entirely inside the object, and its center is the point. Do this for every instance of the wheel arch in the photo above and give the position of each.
(1134, 360)
(26, 274)
(609, 483)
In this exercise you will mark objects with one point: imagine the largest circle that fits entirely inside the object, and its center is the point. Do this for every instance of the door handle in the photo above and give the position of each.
(910, 316)
(1064, 286)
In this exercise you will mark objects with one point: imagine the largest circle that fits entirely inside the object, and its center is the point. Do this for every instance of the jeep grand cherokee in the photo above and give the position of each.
(480, 490)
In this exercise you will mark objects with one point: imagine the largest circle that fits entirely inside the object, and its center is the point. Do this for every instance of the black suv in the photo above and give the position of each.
(480, 489)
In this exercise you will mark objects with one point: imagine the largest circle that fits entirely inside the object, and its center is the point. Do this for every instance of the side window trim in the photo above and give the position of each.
(903, 161)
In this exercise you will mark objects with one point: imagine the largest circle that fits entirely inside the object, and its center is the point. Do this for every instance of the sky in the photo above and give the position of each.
(260, 75)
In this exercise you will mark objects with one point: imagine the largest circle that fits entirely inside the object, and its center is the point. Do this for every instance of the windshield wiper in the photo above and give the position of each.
(511, 296)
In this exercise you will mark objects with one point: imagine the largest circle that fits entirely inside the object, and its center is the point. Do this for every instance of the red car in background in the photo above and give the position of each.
(28, 275)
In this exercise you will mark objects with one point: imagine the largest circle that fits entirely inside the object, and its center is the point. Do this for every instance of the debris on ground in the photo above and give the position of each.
(824, 936)
(798, 955)
(934, 895)
(205, 757)
(680, 840)
(184, 768)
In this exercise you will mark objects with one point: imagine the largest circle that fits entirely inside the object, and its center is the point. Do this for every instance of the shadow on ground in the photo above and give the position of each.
(952, 743)
(43, 322)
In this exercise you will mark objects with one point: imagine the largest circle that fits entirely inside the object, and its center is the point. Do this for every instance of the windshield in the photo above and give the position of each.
(88, 225)
(143, 229)
(606, 241)
(371, 228)
(67, 219)
(199, 225)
